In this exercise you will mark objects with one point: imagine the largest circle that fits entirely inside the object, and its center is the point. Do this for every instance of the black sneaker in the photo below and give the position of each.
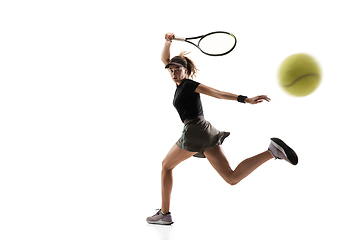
(282, 151)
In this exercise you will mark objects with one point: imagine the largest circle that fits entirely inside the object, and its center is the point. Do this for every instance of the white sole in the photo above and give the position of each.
(160, 222)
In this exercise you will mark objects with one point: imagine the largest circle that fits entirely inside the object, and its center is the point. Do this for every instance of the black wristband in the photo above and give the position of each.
(241, 98)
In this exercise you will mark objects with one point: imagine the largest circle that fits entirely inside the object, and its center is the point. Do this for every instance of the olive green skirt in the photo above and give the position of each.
(199, 136)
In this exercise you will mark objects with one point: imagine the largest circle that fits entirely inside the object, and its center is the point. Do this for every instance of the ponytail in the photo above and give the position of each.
(191, 68)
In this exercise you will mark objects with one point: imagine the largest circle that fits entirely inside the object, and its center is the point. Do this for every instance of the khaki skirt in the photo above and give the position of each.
(199, 136)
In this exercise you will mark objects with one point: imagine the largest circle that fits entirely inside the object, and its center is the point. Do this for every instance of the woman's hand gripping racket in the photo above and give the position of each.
(213, 44)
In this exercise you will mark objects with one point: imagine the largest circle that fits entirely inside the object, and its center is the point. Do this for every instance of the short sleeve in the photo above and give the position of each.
(191, 85)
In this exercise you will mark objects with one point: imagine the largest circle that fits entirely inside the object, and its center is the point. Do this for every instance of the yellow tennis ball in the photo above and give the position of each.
(299, 74)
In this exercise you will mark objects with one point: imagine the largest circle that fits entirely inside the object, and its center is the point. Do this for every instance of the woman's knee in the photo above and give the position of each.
(233, 182)
(230, 180)
(175, 156)
(166, 166)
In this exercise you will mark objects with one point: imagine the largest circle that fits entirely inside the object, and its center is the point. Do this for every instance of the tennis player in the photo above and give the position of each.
(199, 138)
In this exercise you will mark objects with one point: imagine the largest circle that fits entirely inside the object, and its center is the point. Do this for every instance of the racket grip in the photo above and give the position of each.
(179, 38)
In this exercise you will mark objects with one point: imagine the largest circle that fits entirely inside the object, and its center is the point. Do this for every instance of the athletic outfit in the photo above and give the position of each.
(199, 135)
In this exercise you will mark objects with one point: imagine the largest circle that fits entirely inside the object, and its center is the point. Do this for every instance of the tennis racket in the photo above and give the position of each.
(213, 44)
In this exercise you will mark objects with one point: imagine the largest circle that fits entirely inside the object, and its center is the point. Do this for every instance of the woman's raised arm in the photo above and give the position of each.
(165, 55)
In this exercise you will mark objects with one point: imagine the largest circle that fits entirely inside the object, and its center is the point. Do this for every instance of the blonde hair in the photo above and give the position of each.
(191, 68)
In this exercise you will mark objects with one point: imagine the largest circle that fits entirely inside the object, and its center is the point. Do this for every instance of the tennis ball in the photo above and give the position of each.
(299, 74)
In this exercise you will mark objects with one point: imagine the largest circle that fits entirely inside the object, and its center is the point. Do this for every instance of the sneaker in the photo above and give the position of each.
(160, 218)
(282, 151)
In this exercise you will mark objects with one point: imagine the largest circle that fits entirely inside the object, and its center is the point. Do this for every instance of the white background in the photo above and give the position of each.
(86, 118)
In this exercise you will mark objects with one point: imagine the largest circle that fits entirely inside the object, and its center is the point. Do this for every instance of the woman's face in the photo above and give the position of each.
(177, 73)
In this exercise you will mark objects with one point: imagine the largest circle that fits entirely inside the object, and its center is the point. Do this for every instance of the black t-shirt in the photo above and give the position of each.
(186, 101)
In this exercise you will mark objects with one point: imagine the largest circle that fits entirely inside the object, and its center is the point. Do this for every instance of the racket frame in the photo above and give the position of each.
(201, 38)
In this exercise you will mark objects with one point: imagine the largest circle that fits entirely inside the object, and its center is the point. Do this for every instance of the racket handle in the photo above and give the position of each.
(179, 38)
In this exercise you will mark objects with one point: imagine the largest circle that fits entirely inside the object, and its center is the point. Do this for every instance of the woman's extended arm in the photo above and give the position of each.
(215, 93)
(228, 96)
(165, 55)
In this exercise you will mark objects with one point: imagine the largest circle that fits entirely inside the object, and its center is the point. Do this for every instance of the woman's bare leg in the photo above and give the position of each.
(218, 160)
(175, 156)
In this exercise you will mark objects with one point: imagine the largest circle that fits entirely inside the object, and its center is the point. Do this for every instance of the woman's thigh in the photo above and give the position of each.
(175, 156)
(219, 162)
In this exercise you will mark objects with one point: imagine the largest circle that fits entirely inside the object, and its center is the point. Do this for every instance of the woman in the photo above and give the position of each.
(199, 137)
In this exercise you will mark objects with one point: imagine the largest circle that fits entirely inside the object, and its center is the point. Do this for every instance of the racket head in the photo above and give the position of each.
(217, 43)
